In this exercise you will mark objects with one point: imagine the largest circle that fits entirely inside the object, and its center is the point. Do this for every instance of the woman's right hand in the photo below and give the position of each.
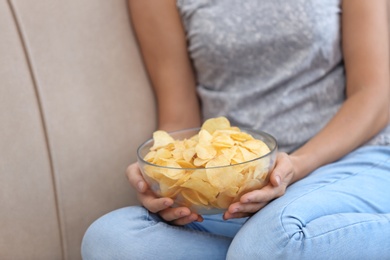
(160, 206)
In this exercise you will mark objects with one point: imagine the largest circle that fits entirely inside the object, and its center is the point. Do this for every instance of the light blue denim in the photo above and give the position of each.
(340, 211)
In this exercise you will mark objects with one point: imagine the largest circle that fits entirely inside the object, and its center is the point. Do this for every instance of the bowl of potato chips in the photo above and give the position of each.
(206, 169)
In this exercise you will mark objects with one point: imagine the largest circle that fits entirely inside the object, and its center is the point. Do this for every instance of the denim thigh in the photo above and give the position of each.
(340, 211)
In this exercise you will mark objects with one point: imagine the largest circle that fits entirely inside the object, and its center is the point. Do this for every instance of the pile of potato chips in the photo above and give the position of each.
(210, 169)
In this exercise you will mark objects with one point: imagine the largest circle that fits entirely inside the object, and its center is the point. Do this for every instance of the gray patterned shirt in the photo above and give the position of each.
(270, 65)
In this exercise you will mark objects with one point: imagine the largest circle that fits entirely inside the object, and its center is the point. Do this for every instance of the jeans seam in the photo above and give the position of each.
(354, 224)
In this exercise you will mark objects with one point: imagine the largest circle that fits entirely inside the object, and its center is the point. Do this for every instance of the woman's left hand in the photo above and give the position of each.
(251, 202)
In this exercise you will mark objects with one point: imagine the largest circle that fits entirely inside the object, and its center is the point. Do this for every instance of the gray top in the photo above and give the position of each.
(270, 65)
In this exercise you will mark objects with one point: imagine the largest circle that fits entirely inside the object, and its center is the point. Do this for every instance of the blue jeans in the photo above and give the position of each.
(340, 211)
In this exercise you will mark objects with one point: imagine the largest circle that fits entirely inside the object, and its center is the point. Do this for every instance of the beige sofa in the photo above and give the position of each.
(75, 103)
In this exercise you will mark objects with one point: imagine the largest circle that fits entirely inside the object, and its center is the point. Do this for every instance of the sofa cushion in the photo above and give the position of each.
(96, 103)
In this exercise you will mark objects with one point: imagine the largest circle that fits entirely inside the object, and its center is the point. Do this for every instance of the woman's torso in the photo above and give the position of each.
(270, 65)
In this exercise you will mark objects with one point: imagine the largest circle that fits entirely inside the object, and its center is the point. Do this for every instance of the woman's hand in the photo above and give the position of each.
(251, 202)
(160, 206)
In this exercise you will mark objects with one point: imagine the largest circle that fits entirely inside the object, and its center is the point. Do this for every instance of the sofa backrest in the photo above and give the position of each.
(75, 103)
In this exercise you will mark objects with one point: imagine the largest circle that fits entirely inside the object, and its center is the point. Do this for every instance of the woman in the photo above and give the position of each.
(313, 73)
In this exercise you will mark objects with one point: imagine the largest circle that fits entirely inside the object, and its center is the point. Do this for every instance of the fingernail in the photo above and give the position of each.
(248, 200)
(277, 179)
(193, 218)
(235, 210)
(140, 186)
(167, 203)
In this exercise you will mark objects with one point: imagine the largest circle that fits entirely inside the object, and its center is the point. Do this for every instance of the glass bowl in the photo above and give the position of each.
(208, 190)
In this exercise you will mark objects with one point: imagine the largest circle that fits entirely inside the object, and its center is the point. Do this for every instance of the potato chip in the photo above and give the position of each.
(205, 152)
(247, 155)
(241, 136)
(204, 138)
(190, 143)
(171, 188)
(178, 150)
(168, 187)
(162, 154)
(223, 201)
(256, 146)
(185, 164)
(161, 139)
(200, 163)
(229, 153)
(213, 124)
(194, 197)
(201, 186)
(149, 157)
(167, 171)
(222, 141)
(238, 157)
(188, 154)
(224, 179)
(217, 162)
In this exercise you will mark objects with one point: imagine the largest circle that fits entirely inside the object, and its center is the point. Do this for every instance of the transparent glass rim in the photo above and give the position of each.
(245, 130)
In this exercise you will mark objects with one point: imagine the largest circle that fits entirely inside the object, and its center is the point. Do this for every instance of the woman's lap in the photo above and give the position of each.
(340, 211)
(134, 233)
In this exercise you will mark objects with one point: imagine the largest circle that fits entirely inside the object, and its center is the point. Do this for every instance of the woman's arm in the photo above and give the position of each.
(162, 40)
(366, 109)
(364, 113)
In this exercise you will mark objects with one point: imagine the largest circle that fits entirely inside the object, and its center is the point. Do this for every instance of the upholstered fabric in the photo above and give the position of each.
(28, 216)
(75, 105)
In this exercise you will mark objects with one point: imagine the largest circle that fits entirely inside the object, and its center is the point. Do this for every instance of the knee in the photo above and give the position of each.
(104, 237)
(266, 237)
